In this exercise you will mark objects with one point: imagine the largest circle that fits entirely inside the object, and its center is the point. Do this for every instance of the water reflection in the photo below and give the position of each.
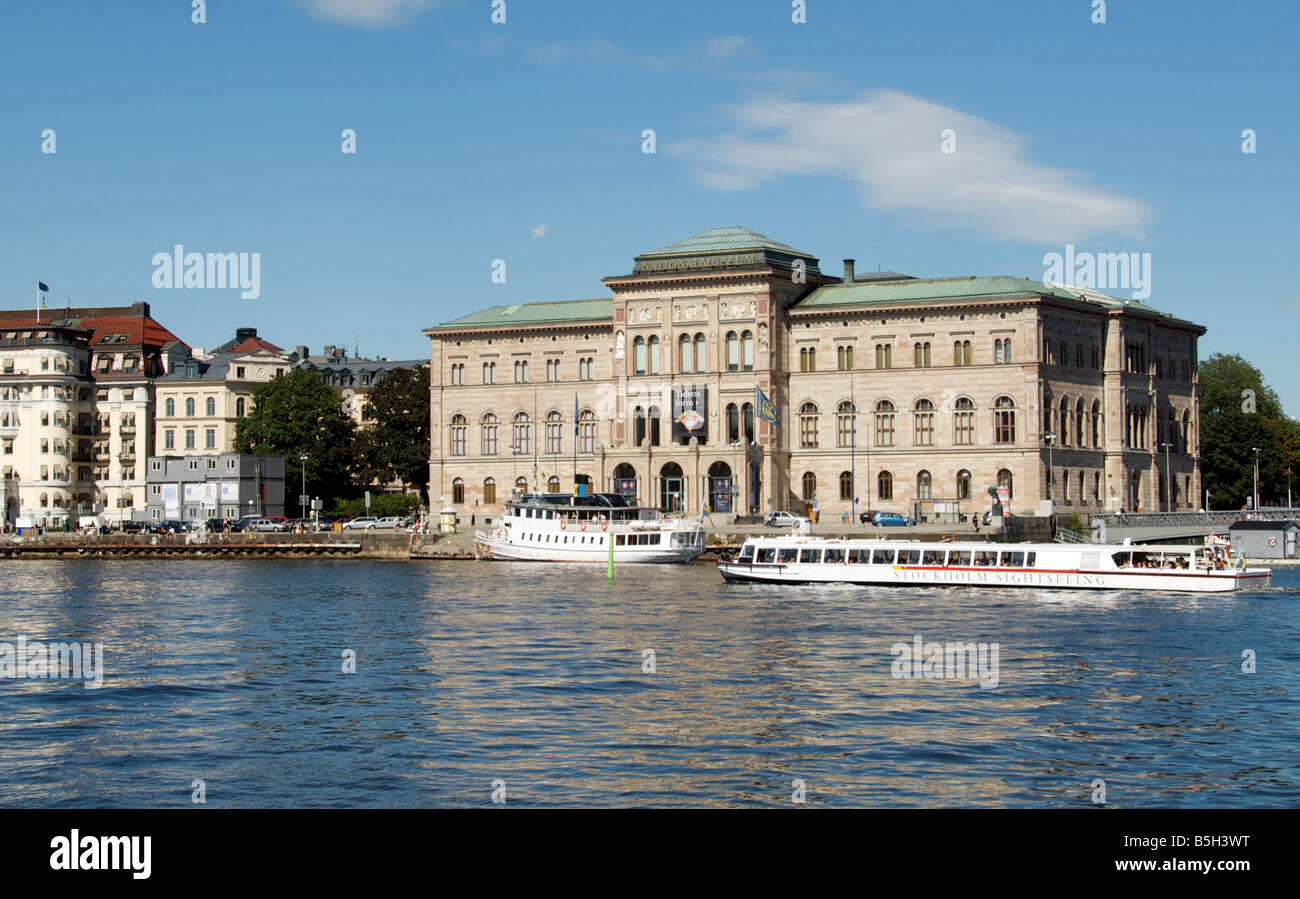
(466, 673)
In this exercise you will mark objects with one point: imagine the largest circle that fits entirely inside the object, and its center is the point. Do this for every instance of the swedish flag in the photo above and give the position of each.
(766, 408)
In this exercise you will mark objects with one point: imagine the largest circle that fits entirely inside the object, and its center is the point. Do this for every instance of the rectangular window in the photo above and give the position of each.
(210, 439)
(169, 439)
(189, 439)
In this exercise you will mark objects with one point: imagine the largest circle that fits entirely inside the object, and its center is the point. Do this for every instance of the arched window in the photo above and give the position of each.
(961, 352)
(1004, 420)
(844, 357)
(210, 407)
(846, 425)
(521, 485)
(1094, 421)
(923, 423)
(654, 425)
(846, 486)
(1186, 436)
(189, 406)
(587, 431)
(809, 486)
(638, 425)
(554, 433)
(240, 407)
(747, 350)
(701, 354)
(884, 355)
(638, 356)
(733, 351)
(733, 423)
(171, 407)
(1063, 422)
(1079, 413)
(747, 419)
(1049, 413)
(553, 484)
(489, 491)
(963, 485)
(653, 350)
(458, 491)
(808, 425)
(1004, 480)
(963, 422)
(922, 352)
(458, 428)
(490, 427)
(686, 354)
(885, 412)
(522, 434)
(923, 485)
(885, 485)
(808, 358)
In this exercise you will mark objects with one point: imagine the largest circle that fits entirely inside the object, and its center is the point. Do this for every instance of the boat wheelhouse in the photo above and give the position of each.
(802, 559)
(557, 527)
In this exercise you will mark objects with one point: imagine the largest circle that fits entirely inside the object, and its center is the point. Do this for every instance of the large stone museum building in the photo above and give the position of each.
(921, 396)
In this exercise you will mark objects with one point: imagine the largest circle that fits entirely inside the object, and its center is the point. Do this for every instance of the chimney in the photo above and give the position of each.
(848, 271)
(242, 334)
(302, 353)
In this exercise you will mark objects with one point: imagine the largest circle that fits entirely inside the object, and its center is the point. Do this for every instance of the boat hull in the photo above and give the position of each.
(489, 547)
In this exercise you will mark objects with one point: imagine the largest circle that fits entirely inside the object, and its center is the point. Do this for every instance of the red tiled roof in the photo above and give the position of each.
(254, 343)
(133, 321)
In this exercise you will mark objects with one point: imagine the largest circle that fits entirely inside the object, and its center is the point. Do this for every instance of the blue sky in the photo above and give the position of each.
(522, 141)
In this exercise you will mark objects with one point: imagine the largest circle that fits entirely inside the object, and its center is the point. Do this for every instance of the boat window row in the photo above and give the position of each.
(574, 539)
(943, 558)
(638, 539)
(1163, 560)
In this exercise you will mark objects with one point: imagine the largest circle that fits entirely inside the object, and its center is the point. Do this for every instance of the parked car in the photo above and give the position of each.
(390, 523)
(138, 527)
(361, 523)
(172, 525)
(887, 519)
(868, 517)
(273, 524)
(782, 519)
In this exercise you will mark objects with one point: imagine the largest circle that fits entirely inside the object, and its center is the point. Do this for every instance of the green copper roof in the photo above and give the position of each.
(887, 293)
(533, 314)
(732, 238)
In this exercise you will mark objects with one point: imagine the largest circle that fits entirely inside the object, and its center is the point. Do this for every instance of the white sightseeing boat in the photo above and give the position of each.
(556, 527)
(804, 559)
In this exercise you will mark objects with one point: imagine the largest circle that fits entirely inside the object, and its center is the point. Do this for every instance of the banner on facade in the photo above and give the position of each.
(690, 411)
(171, 501)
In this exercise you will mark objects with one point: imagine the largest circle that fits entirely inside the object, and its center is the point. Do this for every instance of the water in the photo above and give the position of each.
(468, 673)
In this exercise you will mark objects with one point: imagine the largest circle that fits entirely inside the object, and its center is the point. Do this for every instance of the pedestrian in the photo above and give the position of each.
(471, 520)
(976, 519)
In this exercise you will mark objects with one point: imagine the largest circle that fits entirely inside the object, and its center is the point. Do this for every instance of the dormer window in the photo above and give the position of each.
(191, 369)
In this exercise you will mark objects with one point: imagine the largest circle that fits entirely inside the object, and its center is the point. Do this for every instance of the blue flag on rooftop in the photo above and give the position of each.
(766, 408)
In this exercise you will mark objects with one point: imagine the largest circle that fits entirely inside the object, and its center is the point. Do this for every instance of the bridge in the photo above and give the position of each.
(1152, 527)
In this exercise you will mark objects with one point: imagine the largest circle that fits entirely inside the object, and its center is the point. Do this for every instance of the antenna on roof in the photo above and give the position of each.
(356, 346)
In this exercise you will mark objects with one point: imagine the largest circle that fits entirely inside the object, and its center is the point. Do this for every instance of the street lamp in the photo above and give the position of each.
(302, 497)
(1049, 437)
(1256, 449)
(1169, 497)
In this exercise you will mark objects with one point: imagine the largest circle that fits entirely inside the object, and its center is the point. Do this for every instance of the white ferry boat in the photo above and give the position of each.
(556, 527)
(803, 559)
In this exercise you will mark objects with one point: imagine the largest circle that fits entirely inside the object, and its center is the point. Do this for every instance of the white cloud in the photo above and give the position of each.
(540, 231)
(712, 54)
(888, 145)
(369, 13)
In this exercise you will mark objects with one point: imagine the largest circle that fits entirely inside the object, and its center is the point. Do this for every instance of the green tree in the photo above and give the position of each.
(394, 446)
(1239, 412)
(294, 414)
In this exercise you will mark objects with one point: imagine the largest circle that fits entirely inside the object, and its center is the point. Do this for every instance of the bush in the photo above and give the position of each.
(1076, 524)
(382, 505)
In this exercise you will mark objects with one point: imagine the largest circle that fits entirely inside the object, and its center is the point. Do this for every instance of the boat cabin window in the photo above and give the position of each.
(909, 557)
(984, 559)
(1031, 560)
(859, 556)
(746, 554)
(834, 557)
(1014, 559)
(785, 556)
(882, 557)
(959, 557)
(810, 555)
(767, 555)
(933, 557)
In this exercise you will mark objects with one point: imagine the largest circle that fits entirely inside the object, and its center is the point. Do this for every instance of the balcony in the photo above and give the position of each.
(102, 455)
(126, 456)
(127, 428)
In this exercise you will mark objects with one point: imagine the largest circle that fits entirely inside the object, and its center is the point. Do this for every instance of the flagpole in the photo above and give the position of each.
(753, 490)
(853, 452)
(575, 443)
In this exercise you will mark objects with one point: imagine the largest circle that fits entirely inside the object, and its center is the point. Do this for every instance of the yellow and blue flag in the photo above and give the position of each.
(766, 408)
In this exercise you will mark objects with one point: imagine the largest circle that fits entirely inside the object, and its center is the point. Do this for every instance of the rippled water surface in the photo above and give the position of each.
(469, 673)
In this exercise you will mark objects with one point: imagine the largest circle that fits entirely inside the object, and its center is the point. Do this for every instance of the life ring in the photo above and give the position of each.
(564, 523)
(583, 525)
(1272, 541)
(604, 525)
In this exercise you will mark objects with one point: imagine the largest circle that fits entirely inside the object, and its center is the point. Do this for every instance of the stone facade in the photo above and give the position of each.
(910, 395)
